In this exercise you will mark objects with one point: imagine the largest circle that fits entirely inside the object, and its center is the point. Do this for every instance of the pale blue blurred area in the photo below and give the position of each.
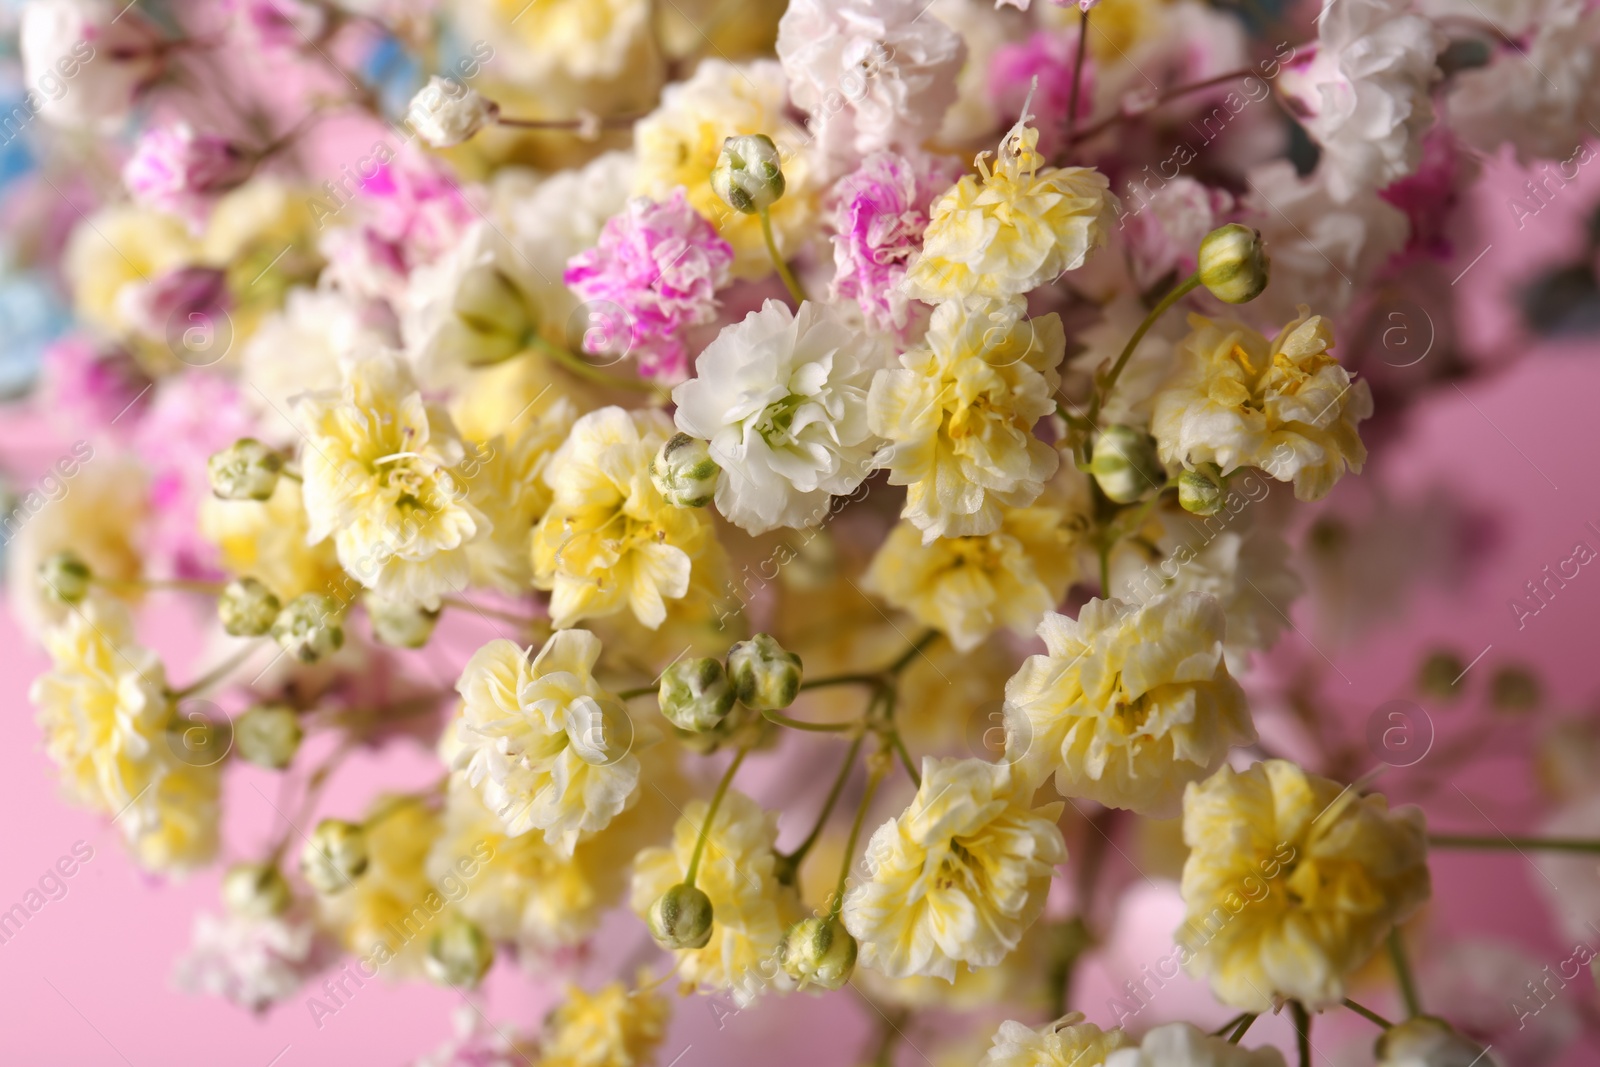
(31, 316)
(394, 73)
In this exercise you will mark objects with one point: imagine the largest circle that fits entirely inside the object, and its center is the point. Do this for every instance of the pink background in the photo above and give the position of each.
(88, 980)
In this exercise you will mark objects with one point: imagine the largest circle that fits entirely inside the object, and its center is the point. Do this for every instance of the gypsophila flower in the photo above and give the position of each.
(1068, 1042)
(612, 1027)
(177, 170)
(109, 52)
(445, 112)
(1185, 1045)
(253, 962)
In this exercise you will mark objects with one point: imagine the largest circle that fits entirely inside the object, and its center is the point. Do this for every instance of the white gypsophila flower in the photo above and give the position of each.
(252, 962)
(88, 59)
(1323, 250)
(1070, 1041)
(1362, 94)
(445, 112)
(1185, 1045)
(782, 399)
(872, 74)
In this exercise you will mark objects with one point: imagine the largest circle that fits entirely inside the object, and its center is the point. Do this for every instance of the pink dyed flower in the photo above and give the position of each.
(187, 307)
(1431, 195)
(176, 170)
(93, 384)
(1049, 57)
(878, 214)
(658, 267)
(1164, 225)
(278, 25)
(254, 963)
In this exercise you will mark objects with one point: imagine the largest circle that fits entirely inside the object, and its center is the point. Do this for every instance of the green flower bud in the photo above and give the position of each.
(749, 173)
(256, 890)
(458, 953)
(684, 472)
(1124, 464)
(335, 856)
(1426, 1041)
(64, 577)
(695, 694)
(681, 918)
(268, 735)
(1515, 688)
(308, 627)
(247, 608)
(400, 625)
(245, 470)
(819, 952)
(493, 316)
(1437, 676)
(1200, 490)
(765, 676)
(1233, 265)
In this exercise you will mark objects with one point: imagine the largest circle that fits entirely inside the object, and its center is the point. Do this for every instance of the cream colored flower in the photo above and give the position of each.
(960, 413)
(576, 38)
(752, 909)
(181, 831)
(267, 540)
(1068, 1042)
(382, 478)
(609, 541)
(614, 1027)
(1292, 882)
(1127, 705)
(504, 479)
(548, 747)
(967, 587)
(959, 875)
(1284, 406)
(1023, 225)
(1186, 1045)
(116, 248)
(680, 142)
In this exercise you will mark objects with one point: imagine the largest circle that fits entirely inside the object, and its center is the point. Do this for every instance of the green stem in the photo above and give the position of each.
(1239, 1031)
(1302, 1031)
(814, 727)
(217, 673)
(905, 757)
(791, 862)
(574, 363)
(1367, 1014)
(880, 767)
(910, 654)
(840, 679)
(643, 690)
(1230, 1024)
(711, 814)
(1402, 974)
(1547, 844)
(1077, 77)
(790, 282)
(1179, 291)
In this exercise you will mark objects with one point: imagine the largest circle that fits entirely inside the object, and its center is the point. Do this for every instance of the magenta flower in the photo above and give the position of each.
(655, 272)
(1049, 57)
(176, 170)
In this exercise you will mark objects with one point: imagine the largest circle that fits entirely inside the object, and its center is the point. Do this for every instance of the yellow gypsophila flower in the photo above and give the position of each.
(1067, 1042)
(382, 478)
(387, 915)
(609, 540)
(1022, 225)
(960, 412)
(1286, 406)
(1127, 705)
(180, 833)
(614, 1027)
(1292, 881)
(116, 248)
(959, 875)
(679, 143)
(581, 38)
(751, 908)
(966, 587)
(267, 540)
(504, 480)
(550, 749)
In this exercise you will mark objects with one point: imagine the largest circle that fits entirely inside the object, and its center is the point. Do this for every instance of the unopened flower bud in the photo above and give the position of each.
(1439, 673)
(65, 577)
(1200, 490)
(268, 735)
(245, 470)
(308, 627)
(1124, 464)
(1426, 1041)
(445, 112)
(681, 918)
(749, 173)
(335, 856)
(1233, 265)
(495, 317)
(684, 472)
(695, 694)
(1514, 689)
(398, 624)
(256, 890)
(819, 952)
(459, 954)
(247, 608)
(765, 676)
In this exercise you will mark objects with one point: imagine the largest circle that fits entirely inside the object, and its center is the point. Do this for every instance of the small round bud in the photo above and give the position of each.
(1233, 265)
(681, 918)
(445, 112)
(335, 856)
(308, 627)
(1200, 491)
(695, 694)
(458, 953)
(819, 952)
(493, 317)
(1124, 464)
(1426, 1041)
(245, 470)
(749, 173)
(268, 735)
(256, 890)
(400, 625)
(1514, 689)
(64, 577)
(684, 472)
(247, 608)
(765, 677)
(1438, 674)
